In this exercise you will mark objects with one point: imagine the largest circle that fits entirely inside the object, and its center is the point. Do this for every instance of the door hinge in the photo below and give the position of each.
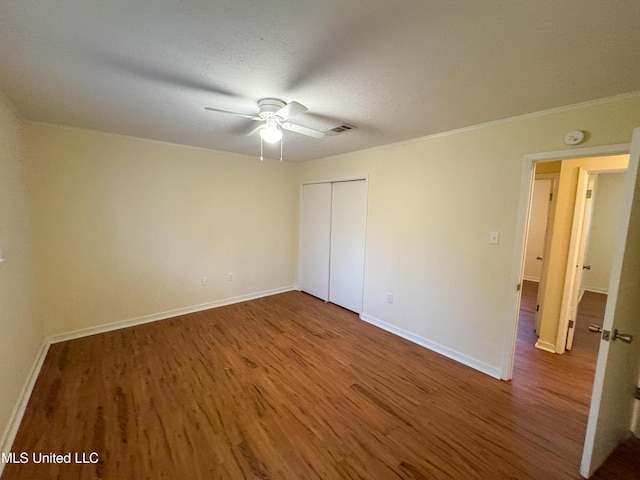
(551, 196)
(571, 323)
(518, 287)
(638, 393)
(537, 308)
(589, 193)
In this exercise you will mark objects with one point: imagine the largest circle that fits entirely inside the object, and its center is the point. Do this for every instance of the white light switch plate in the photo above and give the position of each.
(494, 238)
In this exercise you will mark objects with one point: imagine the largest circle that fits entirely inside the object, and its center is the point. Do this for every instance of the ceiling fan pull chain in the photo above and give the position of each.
(261, 157)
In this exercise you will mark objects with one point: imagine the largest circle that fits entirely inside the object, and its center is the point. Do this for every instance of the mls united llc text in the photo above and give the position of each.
(40, 457)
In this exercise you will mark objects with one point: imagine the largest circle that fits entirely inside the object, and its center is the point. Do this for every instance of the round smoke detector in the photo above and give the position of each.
(574, 137)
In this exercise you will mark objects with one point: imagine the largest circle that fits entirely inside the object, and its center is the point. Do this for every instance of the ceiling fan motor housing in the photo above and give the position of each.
(269, 106)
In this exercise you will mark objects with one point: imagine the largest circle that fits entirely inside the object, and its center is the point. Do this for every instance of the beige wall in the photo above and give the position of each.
(21, 331)
(128, 227)
(546, 168)
(602, 236)
(432, 204)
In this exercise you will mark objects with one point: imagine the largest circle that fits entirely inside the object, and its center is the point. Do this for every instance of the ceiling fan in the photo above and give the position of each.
(273, 115)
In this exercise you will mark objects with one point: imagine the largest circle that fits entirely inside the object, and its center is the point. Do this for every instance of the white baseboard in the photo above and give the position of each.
(85, 332)
(492, 371)
(592, 290)
(604, 291)
(11, 430)
(546, 346)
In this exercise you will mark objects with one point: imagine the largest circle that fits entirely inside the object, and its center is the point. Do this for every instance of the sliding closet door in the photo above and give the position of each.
(348, 214)
(315, 228)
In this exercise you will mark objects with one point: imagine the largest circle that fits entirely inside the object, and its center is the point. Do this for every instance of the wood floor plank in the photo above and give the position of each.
(289, 387)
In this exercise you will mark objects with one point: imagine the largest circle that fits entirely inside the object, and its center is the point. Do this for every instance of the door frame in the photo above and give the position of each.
(522, 221)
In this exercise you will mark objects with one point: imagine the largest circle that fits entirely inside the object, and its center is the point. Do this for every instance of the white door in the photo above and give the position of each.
(577, 249)
(614, 410)
(348, 215)
(537, 227)
(548, 233)
(315, 228)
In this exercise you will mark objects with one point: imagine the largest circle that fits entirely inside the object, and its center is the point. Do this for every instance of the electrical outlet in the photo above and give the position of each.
(205, 281)
(389, 297)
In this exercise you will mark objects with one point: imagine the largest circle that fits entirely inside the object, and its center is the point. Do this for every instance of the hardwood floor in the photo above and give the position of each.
(288, 387)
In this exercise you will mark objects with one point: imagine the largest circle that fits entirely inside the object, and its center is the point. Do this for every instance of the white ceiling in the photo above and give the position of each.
(395, 69)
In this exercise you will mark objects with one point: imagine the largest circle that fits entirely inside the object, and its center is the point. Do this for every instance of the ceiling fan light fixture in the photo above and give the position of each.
(271, 133)
(273, 115)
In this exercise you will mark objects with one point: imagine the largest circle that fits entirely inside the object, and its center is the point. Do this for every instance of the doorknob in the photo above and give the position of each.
(538, 258)
(593, 328)
(586, 267)
(625, 337)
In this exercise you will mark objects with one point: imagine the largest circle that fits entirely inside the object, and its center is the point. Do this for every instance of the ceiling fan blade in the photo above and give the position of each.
(255, 130)
(252, 117)
(291, 109)
(309, 132)
(155, 70)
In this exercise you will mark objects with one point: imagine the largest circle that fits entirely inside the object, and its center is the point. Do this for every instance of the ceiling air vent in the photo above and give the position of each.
(340, 129)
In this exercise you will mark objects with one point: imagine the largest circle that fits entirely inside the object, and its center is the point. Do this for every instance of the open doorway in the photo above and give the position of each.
(568, 377)
(566, 240)
(569, 243)
(594, 252)
(542, 208)
(613, 410)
